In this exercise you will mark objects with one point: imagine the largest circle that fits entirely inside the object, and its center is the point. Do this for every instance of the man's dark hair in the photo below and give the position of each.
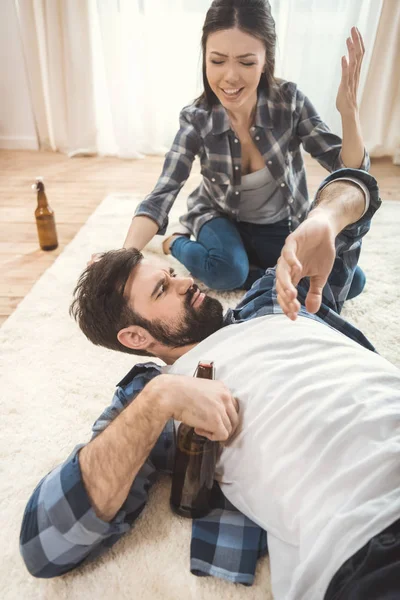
(99, 305)
(250, 16)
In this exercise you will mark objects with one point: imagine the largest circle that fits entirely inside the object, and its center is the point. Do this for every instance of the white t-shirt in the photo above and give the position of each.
(317, 460)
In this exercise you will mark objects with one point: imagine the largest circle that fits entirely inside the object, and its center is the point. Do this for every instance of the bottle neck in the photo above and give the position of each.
(42, 199)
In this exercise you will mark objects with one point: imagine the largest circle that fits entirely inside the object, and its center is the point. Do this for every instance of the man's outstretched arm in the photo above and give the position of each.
(332, 232)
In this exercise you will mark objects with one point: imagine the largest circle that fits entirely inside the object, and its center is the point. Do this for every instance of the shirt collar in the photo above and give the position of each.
(220, 119)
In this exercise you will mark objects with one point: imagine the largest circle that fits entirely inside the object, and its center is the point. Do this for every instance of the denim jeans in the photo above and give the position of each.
(229, 255)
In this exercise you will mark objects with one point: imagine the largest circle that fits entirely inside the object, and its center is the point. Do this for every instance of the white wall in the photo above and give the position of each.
(17, 127)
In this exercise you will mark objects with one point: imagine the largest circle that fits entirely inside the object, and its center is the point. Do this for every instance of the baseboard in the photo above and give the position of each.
(18, 143)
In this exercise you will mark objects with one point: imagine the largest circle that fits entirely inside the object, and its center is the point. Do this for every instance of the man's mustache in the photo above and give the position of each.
(189, 295)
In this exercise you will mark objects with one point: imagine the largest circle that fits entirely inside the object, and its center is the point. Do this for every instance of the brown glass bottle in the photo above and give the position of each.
(194, 467)
(44, 215)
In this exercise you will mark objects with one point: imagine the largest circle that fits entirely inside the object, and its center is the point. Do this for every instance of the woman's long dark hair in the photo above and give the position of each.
(251, 16)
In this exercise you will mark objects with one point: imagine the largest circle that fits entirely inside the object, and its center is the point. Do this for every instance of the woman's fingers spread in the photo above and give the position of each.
(357, 41)
(352, 57)
(359, 50)
(345, 70)
(361, 41)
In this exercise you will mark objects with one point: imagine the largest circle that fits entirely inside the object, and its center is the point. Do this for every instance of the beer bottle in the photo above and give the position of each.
(44, 216)
(195, 460)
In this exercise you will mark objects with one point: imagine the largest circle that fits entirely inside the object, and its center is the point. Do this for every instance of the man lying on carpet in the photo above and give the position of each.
(315, 456)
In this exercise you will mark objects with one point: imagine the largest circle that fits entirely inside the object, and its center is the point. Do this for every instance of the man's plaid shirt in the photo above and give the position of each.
(60, 529)
(281, 125)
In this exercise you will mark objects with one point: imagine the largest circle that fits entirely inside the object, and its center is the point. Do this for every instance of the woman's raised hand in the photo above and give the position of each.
(346, 100)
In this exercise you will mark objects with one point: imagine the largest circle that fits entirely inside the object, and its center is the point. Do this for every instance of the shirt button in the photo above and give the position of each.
(236, 141)
(282, 185)
(236, 193)
(257, 138)
(290, 200)
(270, 162)
(236, 168)
(213, 179)
(253, 129)
(299, 216)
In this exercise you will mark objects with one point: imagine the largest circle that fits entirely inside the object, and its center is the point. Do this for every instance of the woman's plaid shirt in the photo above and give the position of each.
(281, 125)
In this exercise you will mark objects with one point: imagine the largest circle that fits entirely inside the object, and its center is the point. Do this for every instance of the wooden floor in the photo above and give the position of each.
(74, 188)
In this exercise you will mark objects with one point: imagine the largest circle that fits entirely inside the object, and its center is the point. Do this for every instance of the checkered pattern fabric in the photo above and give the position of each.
(60, 529)
(281, 125)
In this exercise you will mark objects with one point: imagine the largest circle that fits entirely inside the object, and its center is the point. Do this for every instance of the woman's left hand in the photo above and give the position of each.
(346, 100)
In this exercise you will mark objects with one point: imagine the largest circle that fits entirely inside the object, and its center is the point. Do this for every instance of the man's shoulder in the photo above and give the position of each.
(259, 300)
(142, 372)
(126, 390)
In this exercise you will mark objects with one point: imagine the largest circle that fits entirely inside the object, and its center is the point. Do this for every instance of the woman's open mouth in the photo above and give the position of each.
(232, 93)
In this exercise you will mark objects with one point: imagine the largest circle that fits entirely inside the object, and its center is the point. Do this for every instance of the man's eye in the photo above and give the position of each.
(215, 62)
(161, 291)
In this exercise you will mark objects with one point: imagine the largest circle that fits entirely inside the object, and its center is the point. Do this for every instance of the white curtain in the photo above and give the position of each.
(110, 76)
(311, 41)
(147, 66)
(57, 51)
(147, 59)
(380, 107)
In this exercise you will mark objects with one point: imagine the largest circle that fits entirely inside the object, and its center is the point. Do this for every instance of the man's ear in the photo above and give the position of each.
(135, 337)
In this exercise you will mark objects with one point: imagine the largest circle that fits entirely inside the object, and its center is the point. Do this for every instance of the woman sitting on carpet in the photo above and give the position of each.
(247, 128)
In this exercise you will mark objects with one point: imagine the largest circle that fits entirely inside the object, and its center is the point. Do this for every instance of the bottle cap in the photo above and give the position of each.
(206, 364)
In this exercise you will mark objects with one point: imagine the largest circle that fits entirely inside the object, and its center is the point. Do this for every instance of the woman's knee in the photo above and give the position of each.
(358, 283)
(225, 274)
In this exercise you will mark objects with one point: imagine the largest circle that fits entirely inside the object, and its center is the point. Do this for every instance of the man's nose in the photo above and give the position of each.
(183, 284)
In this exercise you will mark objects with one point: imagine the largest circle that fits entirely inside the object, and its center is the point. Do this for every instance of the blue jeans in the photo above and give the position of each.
(231, 255)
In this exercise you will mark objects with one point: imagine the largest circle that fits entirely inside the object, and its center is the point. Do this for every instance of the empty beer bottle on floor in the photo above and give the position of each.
(195, 460)
(44, 215)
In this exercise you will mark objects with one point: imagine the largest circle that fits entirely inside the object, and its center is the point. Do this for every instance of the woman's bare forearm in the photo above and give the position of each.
(352, 152)
(140, 232)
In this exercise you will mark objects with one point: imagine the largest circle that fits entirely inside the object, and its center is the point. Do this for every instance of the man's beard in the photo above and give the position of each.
(196, 325)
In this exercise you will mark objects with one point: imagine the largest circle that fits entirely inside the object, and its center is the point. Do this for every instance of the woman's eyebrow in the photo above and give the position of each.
(241, 55)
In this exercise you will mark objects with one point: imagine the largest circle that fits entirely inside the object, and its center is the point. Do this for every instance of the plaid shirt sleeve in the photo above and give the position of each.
(317, 138)
(262, 298)
(176, 170)
(60, 529)
(348, 243)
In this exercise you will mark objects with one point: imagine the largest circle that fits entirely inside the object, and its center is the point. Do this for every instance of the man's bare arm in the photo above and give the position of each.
(110, 463)
(310, 250)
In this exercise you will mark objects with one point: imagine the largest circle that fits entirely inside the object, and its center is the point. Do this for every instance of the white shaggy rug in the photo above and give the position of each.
(55, 384)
